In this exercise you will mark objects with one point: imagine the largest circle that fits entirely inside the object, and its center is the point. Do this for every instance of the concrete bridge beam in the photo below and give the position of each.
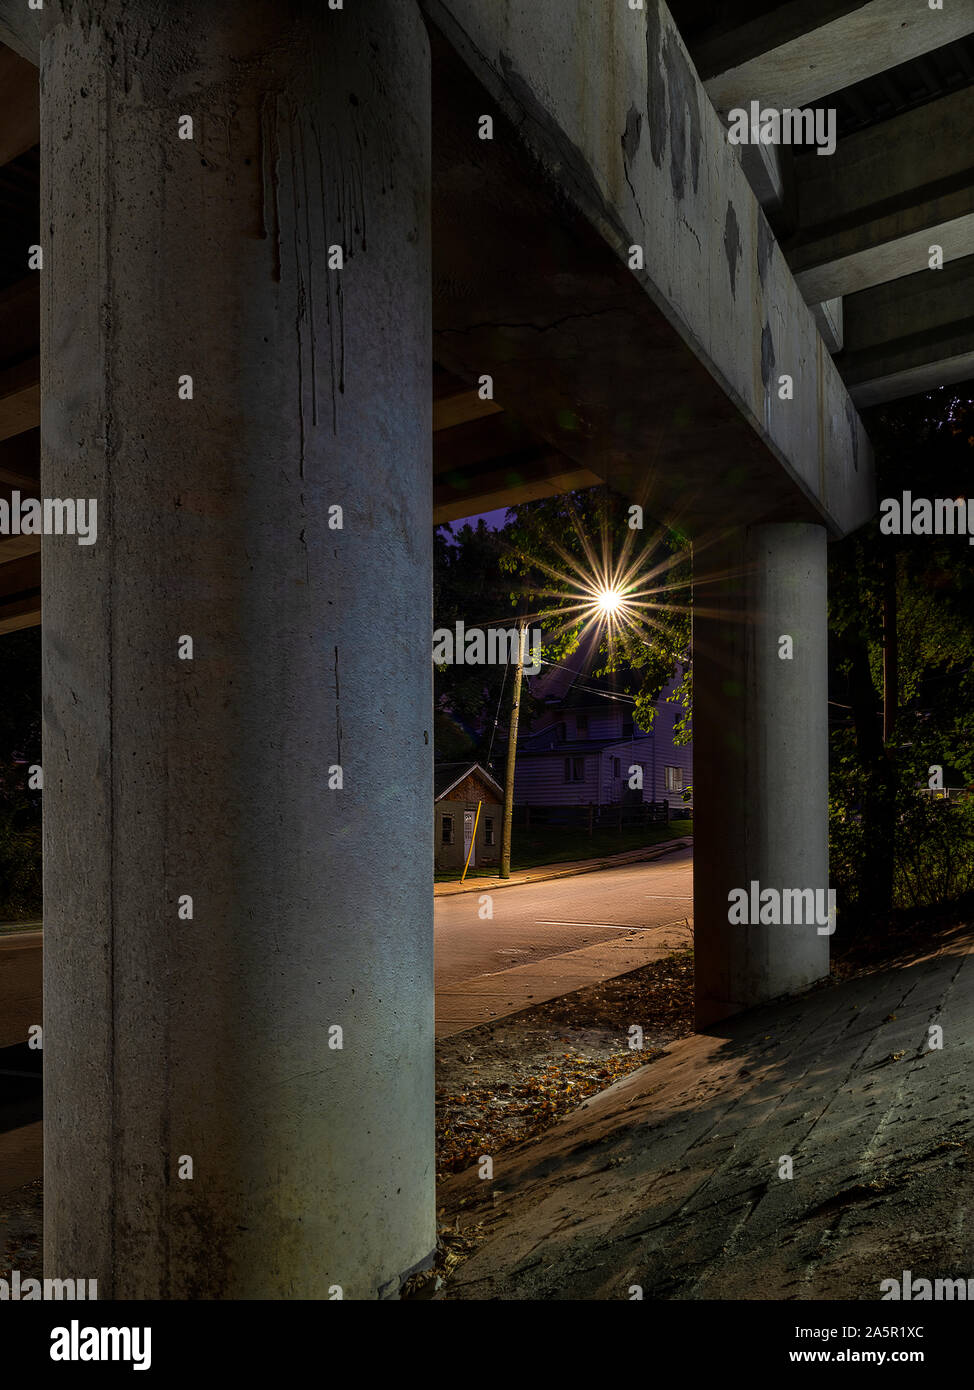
(793, 54)
(871, 212)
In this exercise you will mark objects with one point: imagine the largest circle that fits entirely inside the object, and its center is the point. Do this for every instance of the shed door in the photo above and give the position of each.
(468, 820)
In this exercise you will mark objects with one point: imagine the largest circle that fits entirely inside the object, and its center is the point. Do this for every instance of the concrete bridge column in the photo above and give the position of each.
(760, 756)
(237, 705)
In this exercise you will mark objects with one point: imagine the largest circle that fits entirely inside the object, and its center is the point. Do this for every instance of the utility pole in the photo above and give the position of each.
(512, 754)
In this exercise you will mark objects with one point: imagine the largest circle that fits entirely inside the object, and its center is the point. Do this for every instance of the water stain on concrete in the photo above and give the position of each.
(655, 84)
(765, 246)
(767, 355)
(632, 133)
(671, 79)
(853, 422)
(732, 245)
(681, 86)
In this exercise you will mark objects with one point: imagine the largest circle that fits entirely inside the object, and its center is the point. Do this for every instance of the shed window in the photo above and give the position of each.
(488, 830)
(447, 830)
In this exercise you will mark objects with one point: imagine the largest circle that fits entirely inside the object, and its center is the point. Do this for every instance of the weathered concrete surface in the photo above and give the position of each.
(210, 1037)
(664, 381)
(910, 335)
(830, 320)
(870, 212)
(792, 54)
(760, 730)
(670, 1179)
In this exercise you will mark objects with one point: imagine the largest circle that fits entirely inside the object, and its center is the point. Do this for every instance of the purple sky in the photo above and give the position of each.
(494, 519)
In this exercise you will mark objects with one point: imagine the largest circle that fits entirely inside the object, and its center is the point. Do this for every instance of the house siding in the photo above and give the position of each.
(540, 778)
(465, 797)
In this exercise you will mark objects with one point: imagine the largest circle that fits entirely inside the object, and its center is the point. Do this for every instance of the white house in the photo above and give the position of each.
(584, 747)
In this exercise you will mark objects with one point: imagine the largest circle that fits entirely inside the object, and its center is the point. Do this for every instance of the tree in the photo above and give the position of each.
(561, 550)
(920, 588)
(469, 586)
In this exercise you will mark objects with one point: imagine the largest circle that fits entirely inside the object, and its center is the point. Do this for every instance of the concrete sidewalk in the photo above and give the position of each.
(484, 883)
(674, 1178)
(487, 998)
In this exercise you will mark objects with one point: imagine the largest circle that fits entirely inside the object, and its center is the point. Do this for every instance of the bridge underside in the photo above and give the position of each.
(692, 377)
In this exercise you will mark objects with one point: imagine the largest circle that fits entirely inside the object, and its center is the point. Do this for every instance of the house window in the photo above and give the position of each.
(581, 724)
(488, 830)
(616, 768)
(447, 830)
(627, 726)
(574, 769)
(673, 779)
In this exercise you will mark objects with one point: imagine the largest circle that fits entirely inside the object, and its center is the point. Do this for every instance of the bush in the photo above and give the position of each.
(20, 865)
(846, 852)
(934, 851)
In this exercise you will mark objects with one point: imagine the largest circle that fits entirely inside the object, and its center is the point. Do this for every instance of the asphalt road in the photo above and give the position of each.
(535, 920)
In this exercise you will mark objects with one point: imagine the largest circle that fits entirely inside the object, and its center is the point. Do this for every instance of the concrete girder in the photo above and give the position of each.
(20, 460)
(508, 482)
(489, 461)
(619, 368)
(20, 116)
(20, 398)
(910, 335)
(20, 29)
(20, 584)
(870, 212)
(796, 53)
(829, 317)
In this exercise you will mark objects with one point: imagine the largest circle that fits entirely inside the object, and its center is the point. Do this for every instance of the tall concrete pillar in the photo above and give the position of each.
(760, 758)
(239, 1103)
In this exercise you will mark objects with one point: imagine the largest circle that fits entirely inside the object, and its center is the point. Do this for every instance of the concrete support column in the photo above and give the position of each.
(238, 833)
(760, 757)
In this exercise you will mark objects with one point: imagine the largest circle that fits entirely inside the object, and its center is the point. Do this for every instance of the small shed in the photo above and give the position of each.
(457, 789)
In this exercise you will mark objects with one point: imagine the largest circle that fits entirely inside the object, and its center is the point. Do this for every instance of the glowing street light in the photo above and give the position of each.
(609, 601)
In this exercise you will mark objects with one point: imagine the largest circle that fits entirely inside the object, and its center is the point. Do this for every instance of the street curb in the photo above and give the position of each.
(619, 861)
